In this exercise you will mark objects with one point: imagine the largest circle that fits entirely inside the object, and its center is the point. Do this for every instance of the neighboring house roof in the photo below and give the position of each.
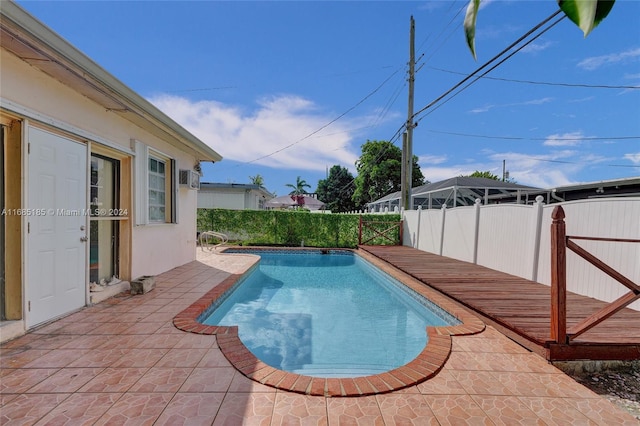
(628, 187)
(469, 182)
(467, 188)
(33, 42)
(286, 201)
(213, 186)
(633, 182)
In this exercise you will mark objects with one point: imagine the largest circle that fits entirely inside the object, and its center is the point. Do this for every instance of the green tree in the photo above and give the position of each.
(257, 180)
(586, 14)
(487, 175)
(298, 187)
(379, 172)
(336, 190)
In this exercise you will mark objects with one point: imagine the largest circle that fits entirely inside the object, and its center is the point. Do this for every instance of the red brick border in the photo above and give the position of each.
(426, 365)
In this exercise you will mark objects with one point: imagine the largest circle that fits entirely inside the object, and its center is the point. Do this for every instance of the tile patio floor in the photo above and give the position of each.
(122, 362)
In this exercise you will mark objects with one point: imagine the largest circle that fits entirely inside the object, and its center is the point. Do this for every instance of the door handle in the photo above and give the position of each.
(84, 239)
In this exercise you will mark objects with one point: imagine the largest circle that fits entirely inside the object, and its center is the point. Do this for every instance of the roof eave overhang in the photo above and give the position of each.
(36, 44)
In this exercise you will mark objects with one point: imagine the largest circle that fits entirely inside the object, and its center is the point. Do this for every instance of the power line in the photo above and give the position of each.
(545, 83)
(375, 121)
(400, 130)
(440, 35)
(496, 57)
(519, 138)
(392, 140)
(546, 160)
(328, 124)
(483, 75)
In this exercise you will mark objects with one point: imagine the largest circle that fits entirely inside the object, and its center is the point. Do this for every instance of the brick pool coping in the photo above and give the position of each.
(426, 365)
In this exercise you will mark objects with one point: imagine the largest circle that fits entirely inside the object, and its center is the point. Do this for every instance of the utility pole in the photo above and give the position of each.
(505, 172)
(407, 145)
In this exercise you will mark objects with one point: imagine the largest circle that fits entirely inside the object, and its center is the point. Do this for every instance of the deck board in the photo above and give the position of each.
(518, 306)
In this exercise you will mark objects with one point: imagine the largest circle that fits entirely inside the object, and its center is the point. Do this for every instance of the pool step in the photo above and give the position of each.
(340, 370)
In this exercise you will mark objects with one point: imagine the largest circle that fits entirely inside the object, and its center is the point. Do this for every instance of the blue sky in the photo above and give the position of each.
(287, 89)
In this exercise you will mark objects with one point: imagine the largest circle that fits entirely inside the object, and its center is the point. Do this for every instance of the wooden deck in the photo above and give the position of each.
(518, 307)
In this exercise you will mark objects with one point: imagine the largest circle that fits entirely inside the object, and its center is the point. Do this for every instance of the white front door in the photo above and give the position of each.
(56, 259)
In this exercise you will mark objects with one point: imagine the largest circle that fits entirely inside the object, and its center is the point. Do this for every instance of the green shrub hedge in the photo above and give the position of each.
(296, 228)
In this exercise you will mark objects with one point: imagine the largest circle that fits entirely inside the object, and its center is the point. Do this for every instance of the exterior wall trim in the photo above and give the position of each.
(31, 114)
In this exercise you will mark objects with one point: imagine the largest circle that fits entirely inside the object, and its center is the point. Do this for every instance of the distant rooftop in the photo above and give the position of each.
(627, 187)
(204, 186)
(457, 191)
(463, 191)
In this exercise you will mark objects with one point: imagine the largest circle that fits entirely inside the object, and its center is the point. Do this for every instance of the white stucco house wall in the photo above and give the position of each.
(91, 186)
(232, 196)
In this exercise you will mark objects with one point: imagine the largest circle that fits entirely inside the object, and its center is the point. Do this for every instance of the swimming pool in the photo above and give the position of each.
(326, 314)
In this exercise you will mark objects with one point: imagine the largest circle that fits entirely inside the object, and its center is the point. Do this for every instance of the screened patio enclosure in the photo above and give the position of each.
(459, 191)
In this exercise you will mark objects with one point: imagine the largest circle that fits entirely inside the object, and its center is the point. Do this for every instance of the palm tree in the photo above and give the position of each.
(257, 180)
(298, 188)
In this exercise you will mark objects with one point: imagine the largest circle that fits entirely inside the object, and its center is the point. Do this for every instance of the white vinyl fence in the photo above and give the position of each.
(515, 239)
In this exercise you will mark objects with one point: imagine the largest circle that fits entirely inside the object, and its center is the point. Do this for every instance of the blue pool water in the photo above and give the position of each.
(327, 315)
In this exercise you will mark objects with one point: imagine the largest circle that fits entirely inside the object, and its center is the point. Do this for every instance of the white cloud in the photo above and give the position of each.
(591, 158)
(431, 6)
(565, 139)
(585, 99)
(546, 170)
(436, 174)
(596, 62)
(537, 47)
(432, 159)
(434, 169)
(479, 110)
(634, 158)
(486, 108)
(542, 171)
(484, 4)
(276, 134)
(535, 102)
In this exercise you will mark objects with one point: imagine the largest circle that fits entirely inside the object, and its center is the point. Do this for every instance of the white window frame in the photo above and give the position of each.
(143, 175)
(159, 189)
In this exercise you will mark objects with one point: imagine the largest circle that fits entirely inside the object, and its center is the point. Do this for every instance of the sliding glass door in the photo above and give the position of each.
(2, 207)
(104, 223)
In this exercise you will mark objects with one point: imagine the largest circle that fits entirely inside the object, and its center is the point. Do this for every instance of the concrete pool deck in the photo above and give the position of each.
(123, 361)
